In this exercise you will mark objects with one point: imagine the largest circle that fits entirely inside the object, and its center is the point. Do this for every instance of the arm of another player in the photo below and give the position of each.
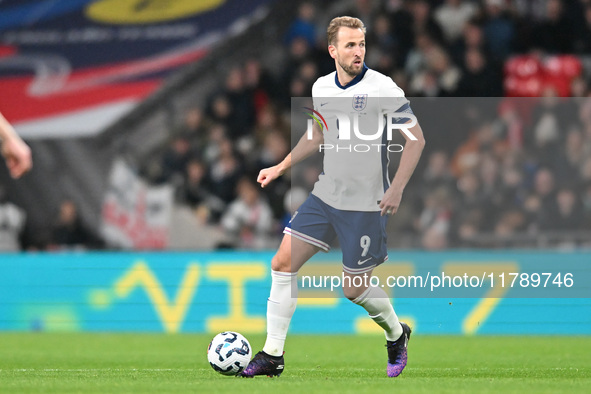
(410, 157)
(303, 149)
(15, 151)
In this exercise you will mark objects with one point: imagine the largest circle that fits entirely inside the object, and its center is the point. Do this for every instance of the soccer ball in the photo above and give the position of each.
(229, 353)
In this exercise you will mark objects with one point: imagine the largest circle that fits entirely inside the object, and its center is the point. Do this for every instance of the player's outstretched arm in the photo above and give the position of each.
(410, 157)
(16, 152)
(303, 149)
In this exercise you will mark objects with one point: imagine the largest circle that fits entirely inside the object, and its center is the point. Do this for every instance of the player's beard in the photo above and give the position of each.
(350, 68)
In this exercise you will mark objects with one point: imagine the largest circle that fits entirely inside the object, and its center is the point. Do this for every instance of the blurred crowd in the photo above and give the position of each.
(507, 172)
(518, 172)
(518, 175)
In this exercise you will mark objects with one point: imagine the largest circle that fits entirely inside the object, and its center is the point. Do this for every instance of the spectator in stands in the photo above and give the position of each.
(225, 171)
(472, 210)
(470, 193)
(543, 192)
(437, 174)
(248, 220)
(401, 23)
(435, 219)
(297, 88)
(586, 201)
(579, 87)
(550, 119)
(490, 183)
(569, 160)
(215, 135)
(195, 189)
(196, 192)
(274, 149)
(220, 110)
(472, 38)
(584, 116)
(512, 189)
(423, 22)
(468, 155)
(299, 52)
(175, 159)
(582, 43)
(269, 120)
(466, 226)
(554, 34)
(585, 170)
(308, 73)
(69, 232)
(531, 10)
(434, 74)
(193, 128)
(498, 29)
(447, 74)
(260, 85)
(12, 224)
(303, 25)
(241, 105)
(563, 212)
(511, 221)
(480, 78)
(452, 15)
(418, 58)
(384, 49)
(511, 125)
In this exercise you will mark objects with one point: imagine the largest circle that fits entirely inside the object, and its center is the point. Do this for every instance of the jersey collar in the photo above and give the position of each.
(354, 81)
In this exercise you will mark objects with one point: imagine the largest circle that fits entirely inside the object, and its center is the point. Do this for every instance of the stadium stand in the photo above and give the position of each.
(516, 174)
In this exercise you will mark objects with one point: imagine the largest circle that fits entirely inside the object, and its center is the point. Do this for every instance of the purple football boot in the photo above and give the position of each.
(264, 364)
(397, 352)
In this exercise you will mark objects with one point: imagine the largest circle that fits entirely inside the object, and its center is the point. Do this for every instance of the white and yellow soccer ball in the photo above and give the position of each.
(229, 353)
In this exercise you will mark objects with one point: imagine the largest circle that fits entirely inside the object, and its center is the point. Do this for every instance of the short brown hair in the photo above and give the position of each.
(342, 21)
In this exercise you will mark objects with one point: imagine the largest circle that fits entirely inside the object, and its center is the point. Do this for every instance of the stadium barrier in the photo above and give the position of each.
(218, 291)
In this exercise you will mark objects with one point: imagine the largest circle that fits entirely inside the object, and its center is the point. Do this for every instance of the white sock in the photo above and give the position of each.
(280, 308)
(377, 304)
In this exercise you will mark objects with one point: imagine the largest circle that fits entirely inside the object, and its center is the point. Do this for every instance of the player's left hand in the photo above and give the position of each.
(391, 201)
(17, 155)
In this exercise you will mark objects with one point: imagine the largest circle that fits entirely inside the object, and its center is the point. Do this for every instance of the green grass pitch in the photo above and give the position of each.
(158, 363)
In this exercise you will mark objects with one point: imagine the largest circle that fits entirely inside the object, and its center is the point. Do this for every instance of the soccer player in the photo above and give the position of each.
(351, 200)
(16, 152)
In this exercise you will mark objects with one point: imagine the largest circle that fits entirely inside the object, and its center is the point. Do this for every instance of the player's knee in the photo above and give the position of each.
(352, 292)
(280, 263)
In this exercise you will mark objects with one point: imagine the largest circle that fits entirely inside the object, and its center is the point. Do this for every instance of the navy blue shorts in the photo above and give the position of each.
(361, 235)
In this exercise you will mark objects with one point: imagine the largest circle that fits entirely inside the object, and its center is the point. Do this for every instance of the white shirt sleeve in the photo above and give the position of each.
(391, 97)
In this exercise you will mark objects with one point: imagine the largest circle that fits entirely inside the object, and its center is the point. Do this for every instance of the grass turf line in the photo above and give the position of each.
(158, 363)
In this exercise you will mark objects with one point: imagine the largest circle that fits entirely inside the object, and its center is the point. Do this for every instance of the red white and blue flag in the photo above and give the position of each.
(73, 67)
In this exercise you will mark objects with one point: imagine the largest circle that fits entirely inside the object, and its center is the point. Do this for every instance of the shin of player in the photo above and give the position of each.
(375, 301)
(282, 300)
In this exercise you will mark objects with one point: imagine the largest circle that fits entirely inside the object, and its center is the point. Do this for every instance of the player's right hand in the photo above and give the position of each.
(267, 175)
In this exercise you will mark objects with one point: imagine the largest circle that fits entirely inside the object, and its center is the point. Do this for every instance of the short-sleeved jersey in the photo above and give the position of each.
(355, 173)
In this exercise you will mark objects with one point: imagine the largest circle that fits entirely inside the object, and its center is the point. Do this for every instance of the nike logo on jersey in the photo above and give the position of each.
(323, 104)
(361, 262)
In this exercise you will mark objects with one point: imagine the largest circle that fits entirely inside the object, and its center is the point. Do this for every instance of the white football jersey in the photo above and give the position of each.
(355, 174)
